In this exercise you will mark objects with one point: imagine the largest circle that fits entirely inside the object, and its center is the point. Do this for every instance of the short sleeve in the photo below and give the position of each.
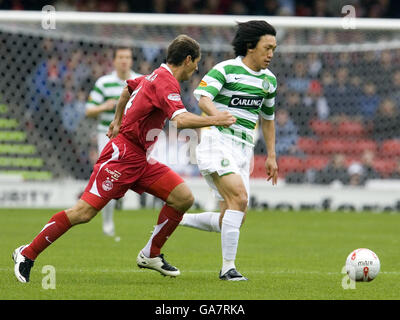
(211, 83)
(268, 107)
(170, 98)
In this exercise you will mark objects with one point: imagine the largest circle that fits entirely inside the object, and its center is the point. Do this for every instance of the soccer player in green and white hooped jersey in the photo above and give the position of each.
(246, 88)
(101, 104)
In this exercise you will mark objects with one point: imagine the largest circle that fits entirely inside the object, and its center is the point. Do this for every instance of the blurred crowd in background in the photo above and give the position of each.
(321, 8)
(337, 112)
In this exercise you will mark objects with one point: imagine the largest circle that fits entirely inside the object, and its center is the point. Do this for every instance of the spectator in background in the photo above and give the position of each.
(377, 9)
(300, 113)
(268, 8)
(344, 60)
(316, 101)
(342, 99)
(286, 134)
(320, 9)
(386, 122)
(315, 65)
(355, 172)
(369, 101)
(367, 161)
(212, 7)
(361, 172)
(237, 7)
(73, 112)
(394, 87)
(78, 70)
(299, 81)
(335, 170)
(327, 81)
(384, 72)
(45, 96)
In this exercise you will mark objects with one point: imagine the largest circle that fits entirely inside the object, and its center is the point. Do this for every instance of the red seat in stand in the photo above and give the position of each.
(322, 128)
(390, 148)
(316, 162)
(351, 129)
(258, 168)
(308, 145)
(287, 164)
(330, 146)
(385, 166)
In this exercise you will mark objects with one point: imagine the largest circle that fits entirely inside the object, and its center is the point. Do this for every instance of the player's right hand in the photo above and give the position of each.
(225, 119)
(109, 104)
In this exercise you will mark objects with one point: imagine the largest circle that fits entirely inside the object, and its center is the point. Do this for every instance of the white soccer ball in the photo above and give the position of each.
(362, 265)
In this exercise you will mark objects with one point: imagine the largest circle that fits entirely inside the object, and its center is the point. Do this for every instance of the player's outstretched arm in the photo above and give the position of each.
(268, 129)
(113, 130)
(191, 120)
(94, 111)
(207, 106)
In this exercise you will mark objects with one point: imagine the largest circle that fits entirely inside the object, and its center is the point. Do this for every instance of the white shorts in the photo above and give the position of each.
(220, 154)
(102, 140)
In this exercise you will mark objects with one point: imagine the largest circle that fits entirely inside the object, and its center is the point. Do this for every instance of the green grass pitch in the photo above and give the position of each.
(286, 255)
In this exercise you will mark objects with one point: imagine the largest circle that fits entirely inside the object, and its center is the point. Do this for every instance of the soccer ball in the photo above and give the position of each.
(362, 265)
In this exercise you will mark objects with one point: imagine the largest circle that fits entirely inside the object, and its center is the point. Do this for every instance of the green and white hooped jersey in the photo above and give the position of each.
(246, 94)
(107, 87)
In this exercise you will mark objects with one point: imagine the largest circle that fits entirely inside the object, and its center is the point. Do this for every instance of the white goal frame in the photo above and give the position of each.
(199, 20)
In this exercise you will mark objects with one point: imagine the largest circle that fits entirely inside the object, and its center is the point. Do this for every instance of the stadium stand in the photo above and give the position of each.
(341, 101)
(17, 155)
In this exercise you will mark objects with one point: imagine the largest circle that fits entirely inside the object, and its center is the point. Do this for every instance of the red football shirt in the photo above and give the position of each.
(154, 99)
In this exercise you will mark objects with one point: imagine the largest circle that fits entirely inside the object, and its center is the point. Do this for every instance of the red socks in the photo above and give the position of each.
(54, 229)
(168, 220)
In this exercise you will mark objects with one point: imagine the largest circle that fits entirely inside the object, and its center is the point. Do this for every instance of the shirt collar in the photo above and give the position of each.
(164, 65)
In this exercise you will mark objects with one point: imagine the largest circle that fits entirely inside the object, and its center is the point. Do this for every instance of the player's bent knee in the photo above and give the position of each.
(181, 198)
(238, 202)
(185, 202)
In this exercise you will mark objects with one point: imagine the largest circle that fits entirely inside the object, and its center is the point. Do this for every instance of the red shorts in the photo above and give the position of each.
(122, 166)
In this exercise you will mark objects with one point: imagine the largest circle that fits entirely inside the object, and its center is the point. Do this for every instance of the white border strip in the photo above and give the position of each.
(196, 20)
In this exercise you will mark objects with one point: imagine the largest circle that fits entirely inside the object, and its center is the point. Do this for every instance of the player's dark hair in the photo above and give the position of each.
(181, 47)
(120, 48)
(248, 34)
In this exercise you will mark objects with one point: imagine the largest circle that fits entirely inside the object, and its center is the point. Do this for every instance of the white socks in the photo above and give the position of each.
(108, 218)
(230, 232)
(207, 221)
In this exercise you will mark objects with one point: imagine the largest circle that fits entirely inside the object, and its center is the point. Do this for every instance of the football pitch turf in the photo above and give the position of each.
(286, 256)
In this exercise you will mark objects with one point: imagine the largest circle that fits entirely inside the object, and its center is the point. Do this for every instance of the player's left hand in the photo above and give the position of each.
(113, 130)
(272, 170)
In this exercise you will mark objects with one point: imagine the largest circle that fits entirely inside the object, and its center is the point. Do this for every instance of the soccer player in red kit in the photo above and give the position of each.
(144, 106)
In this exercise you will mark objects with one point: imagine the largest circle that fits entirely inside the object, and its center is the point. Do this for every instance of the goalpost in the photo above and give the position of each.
(338, 79)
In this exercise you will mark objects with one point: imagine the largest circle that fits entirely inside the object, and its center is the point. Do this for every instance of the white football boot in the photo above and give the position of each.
(22, 265)
(158, 264)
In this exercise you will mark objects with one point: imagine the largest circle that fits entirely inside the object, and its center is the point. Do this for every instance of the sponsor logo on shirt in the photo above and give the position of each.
(174, 97)
(203, 83)
(114, 174)
(245, 102)
(266, 85)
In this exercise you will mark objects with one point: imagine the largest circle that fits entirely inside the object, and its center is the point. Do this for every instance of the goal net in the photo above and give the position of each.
(337, 104)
